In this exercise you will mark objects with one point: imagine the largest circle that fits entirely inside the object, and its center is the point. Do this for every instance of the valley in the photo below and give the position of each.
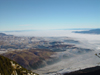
(46, 55)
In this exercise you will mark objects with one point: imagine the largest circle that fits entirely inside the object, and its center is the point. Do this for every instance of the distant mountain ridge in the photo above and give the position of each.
(48, 29)
(18, 31)
(92, 31)
(3, 34)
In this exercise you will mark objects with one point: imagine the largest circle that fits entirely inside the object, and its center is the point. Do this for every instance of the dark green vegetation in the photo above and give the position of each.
(92, 31)
(88, 71)
(6, 67)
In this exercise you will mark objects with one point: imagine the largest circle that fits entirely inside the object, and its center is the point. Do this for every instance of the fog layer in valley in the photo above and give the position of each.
(90, 41)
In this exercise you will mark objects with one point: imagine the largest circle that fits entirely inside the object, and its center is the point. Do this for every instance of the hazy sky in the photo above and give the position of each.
(49, 14)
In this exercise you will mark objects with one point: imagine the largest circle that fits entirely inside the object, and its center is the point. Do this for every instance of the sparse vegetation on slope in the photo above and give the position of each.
(9, 67)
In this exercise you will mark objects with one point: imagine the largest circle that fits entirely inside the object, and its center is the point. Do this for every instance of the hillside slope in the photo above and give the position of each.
(87, 71)
(30, 59)
(9, 67)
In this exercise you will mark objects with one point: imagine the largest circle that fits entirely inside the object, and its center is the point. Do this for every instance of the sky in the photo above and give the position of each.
(49, 14)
